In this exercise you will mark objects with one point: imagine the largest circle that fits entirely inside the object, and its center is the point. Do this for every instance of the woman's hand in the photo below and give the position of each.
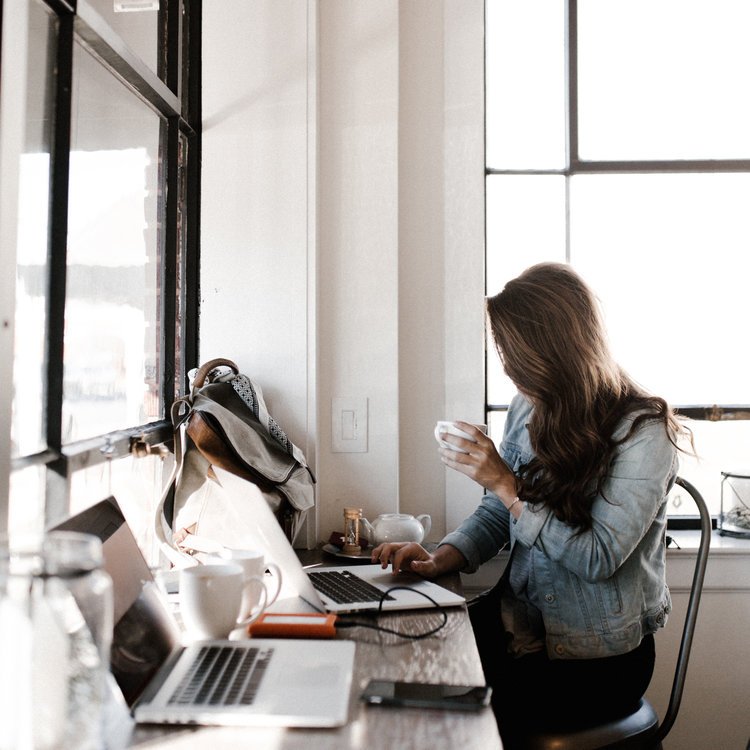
(414, 558)
(482, 462)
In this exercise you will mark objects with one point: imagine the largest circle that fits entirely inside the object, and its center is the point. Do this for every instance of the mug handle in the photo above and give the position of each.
(261, 607)
(276, 571)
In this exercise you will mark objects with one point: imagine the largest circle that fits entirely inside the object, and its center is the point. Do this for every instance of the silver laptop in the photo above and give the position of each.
(266, 534)
(250, 682)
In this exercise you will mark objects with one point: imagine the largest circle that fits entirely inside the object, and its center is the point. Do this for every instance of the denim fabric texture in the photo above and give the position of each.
(601, 591)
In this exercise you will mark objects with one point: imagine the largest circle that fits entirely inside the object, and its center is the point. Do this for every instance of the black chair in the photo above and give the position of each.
(641, 730)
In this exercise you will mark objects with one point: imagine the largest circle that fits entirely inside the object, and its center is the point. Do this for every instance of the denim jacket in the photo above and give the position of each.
(601, 591)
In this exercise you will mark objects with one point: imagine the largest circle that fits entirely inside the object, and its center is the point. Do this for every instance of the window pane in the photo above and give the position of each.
(721, 446)
(112, 314)
(32, 273)
(669, 256)
(500, 389)
(496, 425)
(663, 79)
(525, 225)
(136, 22)
(136, 482)
(525, 84)
(26, 506)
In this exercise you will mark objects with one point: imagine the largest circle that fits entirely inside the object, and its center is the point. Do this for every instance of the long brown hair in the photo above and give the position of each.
(550, 337)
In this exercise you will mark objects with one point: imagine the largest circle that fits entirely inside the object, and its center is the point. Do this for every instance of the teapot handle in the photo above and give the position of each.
(426, 521)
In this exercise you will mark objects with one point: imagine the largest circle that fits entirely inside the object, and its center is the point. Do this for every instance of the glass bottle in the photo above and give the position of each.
(56, 616)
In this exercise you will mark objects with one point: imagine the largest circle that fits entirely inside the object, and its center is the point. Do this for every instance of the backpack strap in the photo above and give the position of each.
(206, 367)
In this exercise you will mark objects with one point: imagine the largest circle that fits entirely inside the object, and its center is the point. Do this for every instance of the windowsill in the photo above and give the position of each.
(721, 545)
(728, 568)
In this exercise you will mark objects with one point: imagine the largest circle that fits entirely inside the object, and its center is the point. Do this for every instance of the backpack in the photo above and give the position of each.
(224, 422)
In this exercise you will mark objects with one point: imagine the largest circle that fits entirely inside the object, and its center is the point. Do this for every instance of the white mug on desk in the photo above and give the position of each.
(211, 599)
(253, 562)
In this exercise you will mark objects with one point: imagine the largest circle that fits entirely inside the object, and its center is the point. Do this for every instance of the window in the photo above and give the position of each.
(106, 162)
(618, 140)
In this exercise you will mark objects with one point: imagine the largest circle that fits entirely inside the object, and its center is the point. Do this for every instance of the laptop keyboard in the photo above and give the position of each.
(223, 676)
(345, 587)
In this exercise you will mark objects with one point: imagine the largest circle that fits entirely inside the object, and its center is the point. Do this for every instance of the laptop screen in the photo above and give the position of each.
(145, 631)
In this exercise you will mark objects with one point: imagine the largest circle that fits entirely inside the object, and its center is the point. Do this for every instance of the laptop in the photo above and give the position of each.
(249, 682)
(368, 584)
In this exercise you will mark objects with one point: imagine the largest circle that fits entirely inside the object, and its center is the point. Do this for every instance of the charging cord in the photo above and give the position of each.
(411, 636)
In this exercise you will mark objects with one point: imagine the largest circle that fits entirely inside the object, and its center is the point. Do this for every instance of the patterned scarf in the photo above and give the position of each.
(252, 395)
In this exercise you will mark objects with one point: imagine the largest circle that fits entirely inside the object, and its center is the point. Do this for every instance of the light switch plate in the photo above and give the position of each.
(349, 425)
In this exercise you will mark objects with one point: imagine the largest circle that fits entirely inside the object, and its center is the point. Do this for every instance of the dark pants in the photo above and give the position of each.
(535, 692)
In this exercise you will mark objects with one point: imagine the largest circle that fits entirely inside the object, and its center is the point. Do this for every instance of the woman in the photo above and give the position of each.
(578, 488)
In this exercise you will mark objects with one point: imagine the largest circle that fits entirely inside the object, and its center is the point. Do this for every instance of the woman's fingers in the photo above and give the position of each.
(383, 553)
(399, 555)
(477, 435)
(478, 442)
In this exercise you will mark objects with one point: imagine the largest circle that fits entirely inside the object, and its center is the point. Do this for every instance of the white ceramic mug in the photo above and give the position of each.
(444, 426)
(211, 599)
(255, 566)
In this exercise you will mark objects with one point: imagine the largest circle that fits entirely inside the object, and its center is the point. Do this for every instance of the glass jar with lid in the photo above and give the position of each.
(734, 517)
(56, 617)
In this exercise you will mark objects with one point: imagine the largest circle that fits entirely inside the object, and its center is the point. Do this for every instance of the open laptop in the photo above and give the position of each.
(250, 682)
(265, 533)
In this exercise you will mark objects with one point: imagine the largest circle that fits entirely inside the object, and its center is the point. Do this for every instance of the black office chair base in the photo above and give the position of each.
(635, 731)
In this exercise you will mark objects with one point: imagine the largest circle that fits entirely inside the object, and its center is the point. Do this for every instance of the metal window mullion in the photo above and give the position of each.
(629, 167)
(168, 249)
(191, 263)
(57, 243)
(105, 44)
(57, 488)
(571, 105)
(715, 412)
(60, 7)
(191, 260)
(660, 166)
(169, 28)
(696, 412)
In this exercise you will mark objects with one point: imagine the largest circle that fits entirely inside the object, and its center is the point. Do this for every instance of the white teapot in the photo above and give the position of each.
(397, 527)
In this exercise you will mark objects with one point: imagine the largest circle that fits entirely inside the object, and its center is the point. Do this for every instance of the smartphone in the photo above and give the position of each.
(427, 695)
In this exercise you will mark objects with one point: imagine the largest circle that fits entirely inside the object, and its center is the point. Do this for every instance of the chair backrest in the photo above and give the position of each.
(641, 729)
(686, 642)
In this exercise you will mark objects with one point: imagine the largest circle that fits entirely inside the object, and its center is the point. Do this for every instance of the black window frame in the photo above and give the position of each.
(577, 166)
(173, 92)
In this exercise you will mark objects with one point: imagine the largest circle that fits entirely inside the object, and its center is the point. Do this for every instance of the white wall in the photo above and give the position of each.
(254, 297)
(342, 231)
(342, 256)
(358, 272)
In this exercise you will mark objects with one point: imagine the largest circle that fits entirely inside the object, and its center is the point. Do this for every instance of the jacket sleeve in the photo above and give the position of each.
(483, 534)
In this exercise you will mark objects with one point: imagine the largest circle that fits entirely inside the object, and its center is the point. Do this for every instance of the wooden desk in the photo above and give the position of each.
(449, 656)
